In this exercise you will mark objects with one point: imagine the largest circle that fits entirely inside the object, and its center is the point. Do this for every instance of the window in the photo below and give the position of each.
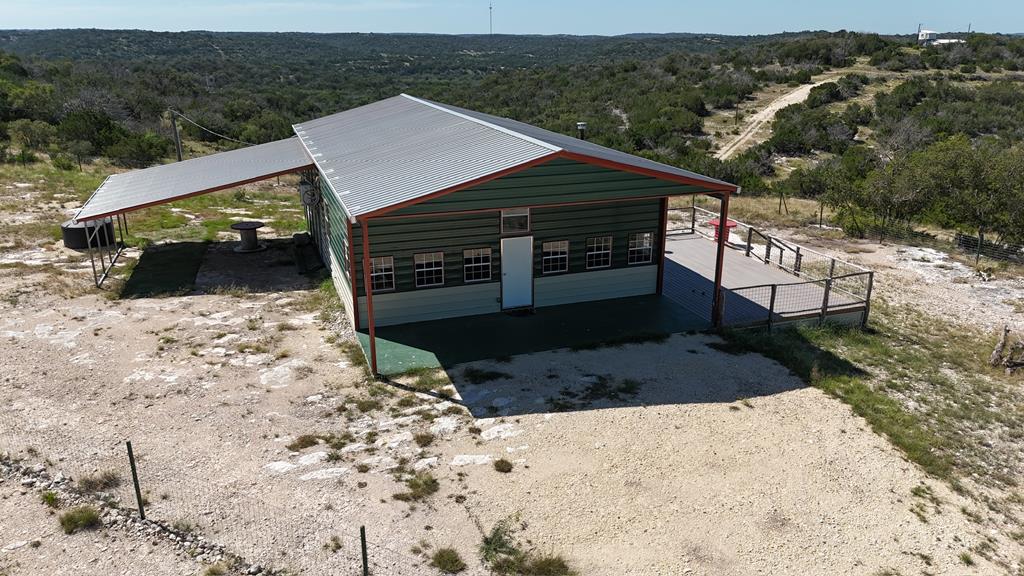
(429, 269)
(382, 273)
(476, 264)
(554, 257)
(515, 220)
(641, 248)
(599, 252)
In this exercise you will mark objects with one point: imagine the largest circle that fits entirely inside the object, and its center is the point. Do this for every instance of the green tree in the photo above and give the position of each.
(31, 134)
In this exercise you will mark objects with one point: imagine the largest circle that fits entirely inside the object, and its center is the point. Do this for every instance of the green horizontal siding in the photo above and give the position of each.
(577, 223)
(404, 307)
(555, 182)
(401, 239)
(595, 285)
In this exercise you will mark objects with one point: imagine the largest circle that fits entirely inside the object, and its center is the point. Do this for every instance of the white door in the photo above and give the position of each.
(517, 272)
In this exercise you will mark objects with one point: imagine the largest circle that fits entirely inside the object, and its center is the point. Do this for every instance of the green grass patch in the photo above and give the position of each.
(806, 352)
(80, 518)
(420, 486)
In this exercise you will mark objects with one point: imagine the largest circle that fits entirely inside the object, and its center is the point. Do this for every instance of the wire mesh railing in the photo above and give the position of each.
(827, 286)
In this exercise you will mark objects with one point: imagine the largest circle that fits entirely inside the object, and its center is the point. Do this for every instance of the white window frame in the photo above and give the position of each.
(435, 260)
(545, 258)
(475, 265)
(641, 243)
(516, 212)
(603, 252)
(382, 267)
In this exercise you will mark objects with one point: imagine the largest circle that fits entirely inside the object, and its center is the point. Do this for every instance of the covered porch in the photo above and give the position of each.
(756, 291)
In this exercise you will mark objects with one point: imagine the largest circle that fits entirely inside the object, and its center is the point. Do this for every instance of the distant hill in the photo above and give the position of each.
(424, 51)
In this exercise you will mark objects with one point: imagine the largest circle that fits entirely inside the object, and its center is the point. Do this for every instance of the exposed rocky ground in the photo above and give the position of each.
(254, 428)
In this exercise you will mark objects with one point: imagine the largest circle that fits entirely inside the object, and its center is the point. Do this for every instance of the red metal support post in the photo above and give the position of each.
(662, 241)
(368, 288)
(716, 307)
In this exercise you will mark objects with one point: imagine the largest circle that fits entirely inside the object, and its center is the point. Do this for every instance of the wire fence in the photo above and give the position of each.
(275, 525)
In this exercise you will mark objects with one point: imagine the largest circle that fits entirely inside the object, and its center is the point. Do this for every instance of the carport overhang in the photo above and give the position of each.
(127, 192)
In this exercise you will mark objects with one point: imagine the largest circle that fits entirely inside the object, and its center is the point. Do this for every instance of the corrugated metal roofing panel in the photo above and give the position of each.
(401, 149)
(577, 146)
(159, 184)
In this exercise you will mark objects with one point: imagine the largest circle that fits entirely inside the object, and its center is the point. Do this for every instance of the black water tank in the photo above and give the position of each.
(74, 233)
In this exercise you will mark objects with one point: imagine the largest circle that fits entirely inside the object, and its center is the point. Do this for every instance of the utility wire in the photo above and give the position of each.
(201, 127)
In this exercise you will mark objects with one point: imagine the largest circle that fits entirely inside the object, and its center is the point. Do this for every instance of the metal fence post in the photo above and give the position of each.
(797, 260)
(824, 301)
(771, 306)
(867, 300)
(768, 252)
(693, 219)
(362, 542)
(135, 480)
(832, 269)
(750, 239)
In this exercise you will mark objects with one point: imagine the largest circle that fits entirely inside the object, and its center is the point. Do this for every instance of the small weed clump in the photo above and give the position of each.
(303, 442)
(217, 569)
(502, 465)
(50, 499)
(333, 545)
(424, 439)
(502, 553)
(80, 518)
(420, 487)
(365, 405)
(106, 480)
(447, 560)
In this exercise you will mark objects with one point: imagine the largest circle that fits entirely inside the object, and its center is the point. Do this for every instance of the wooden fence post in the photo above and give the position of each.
(824, 301)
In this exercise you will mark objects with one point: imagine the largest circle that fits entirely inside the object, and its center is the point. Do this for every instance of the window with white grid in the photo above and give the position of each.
(382, 273)
(641, 248)
(515, 220)
(476, 264)
(429, 269)
(599, 252)
(554, 257)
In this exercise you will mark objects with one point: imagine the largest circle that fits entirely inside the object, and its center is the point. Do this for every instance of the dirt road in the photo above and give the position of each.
(762, 118)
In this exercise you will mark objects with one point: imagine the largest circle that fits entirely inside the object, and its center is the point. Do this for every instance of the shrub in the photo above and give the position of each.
(503, 466)
(106, 480)
(80, 518)
(447, 560)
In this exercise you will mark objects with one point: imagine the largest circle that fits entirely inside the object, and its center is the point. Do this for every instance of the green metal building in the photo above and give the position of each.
(485, 214)
(424, 211)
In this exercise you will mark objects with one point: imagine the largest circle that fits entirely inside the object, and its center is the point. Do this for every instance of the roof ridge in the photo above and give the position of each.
(519, 135)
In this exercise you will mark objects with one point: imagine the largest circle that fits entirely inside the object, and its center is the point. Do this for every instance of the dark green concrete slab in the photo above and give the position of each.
(444, 343)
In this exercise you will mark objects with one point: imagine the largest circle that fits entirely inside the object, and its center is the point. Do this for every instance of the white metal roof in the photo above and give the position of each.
(141, 188)
(404, 149)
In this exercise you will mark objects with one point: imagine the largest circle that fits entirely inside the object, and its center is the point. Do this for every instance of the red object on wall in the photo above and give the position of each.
(729, 225)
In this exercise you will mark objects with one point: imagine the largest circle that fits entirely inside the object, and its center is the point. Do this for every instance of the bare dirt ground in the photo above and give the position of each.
(935, 282)
(671, 458)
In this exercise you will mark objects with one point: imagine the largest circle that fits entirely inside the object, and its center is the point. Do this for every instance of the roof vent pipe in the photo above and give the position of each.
(581, 129)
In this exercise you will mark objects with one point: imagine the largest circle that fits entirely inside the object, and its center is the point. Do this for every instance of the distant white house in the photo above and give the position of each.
(931, 38)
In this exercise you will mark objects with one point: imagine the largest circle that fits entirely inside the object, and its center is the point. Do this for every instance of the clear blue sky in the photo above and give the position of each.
(519, 16)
